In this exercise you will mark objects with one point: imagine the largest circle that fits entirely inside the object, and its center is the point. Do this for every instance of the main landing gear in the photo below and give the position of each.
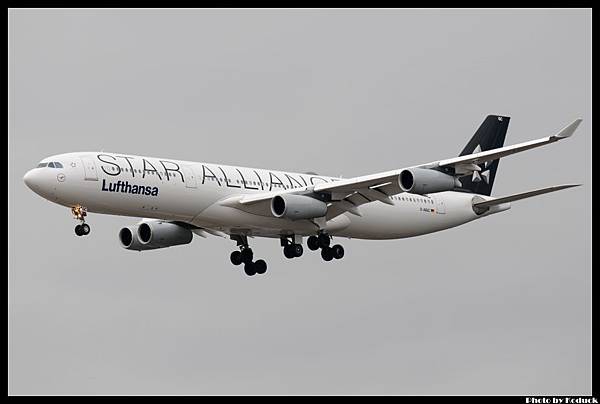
(291, 249)
(245, 256)
(323, 241)
(80, 213)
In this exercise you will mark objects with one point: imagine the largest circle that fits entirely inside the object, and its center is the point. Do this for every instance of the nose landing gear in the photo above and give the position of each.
(80, 212)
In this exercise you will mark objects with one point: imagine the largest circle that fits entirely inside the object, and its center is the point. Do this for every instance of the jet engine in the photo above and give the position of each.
(129, 240)
(297, 207)
(150, 235)
(426, 181)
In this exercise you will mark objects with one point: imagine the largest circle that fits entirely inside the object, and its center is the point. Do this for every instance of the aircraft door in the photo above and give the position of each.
(440, 206)
(89, 167)
(190, 177)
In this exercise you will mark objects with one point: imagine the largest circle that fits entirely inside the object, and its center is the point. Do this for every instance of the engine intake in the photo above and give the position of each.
(426, 181)
(129, 239)
(296, 207)
(162, 234)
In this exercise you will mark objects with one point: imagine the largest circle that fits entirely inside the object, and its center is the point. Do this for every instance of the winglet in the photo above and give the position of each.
(568, 130)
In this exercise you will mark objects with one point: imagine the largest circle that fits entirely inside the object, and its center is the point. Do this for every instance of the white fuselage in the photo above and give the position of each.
(191, 192)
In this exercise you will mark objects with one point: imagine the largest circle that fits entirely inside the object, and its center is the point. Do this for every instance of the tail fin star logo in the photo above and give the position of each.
(485, 174)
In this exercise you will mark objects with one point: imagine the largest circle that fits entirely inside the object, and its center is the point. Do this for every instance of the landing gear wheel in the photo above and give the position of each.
(297, 249)
(78, 230)
(313, 243)
(324, 240)
(236, 258)
(288, 251)
(327, 254)
(249, 268)
(337, 251)
(247, 255)
(260, 267)
(85, 229)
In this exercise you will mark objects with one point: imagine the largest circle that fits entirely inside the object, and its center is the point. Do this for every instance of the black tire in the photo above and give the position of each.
(78, 230)
(313, 243)
(260, 267)
(249, 269)
(85, 229)
(236, 258)
(247, 255)
(298, 250)
(338, 251)
(324, 240)
(288, 251)
(327, 254)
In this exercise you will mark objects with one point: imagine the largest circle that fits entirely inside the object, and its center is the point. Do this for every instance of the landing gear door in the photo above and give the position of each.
(190, 177)
(89, 166)
(440, 206)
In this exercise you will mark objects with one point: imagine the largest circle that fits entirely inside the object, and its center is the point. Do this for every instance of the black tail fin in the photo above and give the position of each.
(490, 135)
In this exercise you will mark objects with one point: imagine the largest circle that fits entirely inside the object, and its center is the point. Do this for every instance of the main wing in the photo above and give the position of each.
(346, 195)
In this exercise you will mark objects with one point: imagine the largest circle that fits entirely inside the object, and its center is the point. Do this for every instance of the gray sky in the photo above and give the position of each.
(498, 306)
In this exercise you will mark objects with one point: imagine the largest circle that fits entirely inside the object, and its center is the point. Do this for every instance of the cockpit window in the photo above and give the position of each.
(52, 164)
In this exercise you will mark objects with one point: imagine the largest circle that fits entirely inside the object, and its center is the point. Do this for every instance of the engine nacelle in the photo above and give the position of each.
(129, 239)
(158, 234)
(426, 181)
(153, 234)
(296, 207)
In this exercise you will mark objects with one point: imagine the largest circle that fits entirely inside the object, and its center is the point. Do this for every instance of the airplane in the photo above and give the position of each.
(177, 199)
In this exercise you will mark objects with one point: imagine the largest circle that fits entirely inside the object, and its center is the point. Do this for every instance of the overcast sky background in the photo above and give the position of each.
(497, 306)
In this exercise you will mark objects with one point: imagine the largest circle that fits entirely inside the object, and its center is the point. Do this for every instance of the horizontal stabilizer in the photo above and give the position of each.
(516, 197)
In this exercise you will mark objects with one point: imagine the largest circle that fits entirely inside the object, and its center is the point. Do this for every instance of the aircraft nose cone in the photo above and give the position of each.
(42, 182)
(34, 179)
(30, 180)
